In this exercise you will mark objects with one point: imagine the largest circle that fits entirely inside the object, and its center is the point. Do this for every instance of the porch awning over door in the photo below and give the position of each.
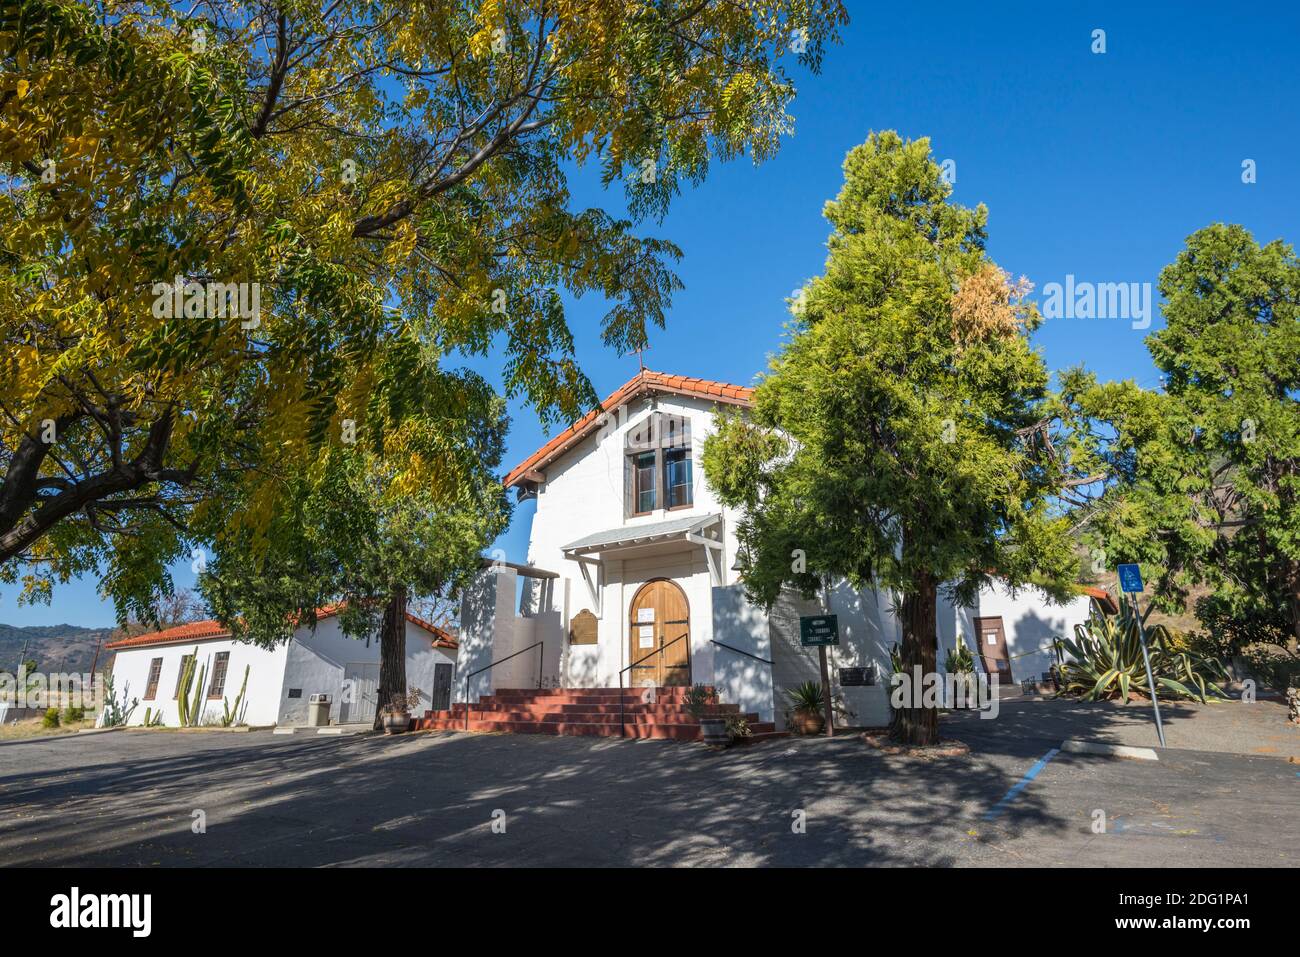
(634, 536)
(698, 530)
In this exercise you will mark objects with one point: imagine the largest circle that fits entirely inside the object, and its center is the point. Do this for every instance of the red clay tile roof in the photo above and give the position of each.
(209, 629)
(441, 639)
(643, 382)
(193, 631)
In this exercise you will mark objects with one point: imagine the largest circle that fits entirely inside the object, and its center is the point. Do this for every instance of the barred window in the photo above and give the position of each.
(151, 687)
(217, 686)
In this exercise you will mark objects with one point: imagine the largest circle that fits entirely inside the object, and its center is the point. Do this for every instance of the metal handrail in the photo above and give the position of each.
(766, 661)
(540, 661)
(622, 721)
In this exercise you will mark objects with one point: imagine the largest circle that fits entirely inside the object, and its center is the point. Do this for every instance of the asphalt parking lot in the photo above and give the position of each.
(138, 798)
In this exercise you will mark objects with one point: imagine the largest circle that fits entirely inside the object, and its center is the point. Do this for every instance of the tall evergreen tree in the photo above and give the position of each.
(896, 440)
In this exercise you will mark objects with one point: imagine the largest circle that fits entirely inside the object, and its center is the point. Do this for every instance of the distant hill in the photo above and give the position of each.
(55, 647)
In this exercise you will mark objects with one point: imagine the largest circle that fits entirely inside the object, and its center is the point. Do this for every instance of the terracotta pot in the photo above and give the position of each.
(397, 723)
(714, 731)
(809, 722)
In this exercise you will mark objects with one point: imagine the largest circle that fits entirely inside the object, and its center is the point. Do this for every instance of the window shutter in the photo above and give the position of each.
(629, 485)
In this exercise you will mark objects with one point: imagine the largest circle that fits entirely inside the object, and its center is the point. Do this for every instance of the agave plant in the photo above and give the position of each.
(1105, 660)
(806, 697)
(809, 697)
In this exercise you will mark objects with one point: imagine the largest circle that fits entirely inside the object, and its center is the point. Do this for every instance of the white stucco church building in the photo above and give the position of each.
(631, 555)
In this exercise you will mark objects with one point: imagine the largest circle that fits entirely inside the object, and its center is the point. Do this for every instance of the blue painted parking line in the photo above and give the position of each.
(993, 812)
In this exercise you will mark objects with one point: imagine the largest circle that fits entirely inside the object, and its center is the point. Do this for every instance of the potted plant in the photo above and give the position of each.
(397, 713)
(805, 713)
(713, 728)
(960, 663)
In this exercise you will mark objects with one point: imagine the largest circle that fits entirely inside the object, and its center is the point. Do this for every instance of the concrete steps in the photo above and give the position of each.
(645, 713)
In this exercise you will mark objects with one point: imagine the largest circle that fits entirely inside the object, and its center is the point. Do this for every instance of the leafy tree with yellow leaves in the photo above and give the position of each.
(215, 220)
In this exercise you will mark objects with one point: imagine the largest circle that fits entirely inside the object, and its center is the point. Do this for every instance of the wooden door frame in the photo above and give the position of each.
(627, 618)
(1006, 647)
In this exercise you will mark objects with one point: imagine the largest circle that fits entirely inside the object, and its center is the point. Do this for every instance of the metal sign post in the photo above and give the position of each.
(818, 631)
(1130, 581)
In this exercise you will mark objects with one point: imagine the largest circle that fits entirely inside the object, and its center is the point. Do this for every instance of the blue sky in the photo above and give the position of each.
(1096, 165)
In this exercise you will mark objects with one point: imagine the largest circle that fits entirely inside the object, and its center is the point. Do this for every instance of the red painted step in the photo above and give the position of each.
(587, 711)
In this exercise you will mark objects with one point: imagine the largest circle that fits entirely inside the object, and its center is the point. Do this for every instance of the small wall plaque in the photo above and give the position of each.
(582, 628)
(857, 677)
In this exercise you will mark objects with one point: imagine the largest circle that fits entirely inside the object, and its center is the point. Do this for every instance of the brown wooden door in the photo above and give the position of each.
(660, 615)
(992, 638)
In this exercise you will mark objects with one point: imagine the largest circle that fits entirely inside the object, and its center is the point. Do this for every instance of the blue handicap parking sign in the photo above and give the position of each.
(1130, 578)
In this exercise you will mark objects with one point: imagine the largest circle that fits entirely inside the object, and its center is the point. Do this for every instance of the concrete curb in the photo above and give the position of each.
(333, 730)
(100, 730)
(1111, 750)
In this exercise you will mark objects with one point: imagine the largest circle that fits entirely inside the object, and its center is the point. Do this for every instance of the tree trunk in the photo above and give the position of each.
(1293, 643)
(392, 653)
(918, 725)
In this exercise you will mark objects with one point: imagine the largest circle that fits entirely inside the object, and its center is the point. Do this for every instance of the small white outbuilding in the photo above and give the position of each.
(281, 680)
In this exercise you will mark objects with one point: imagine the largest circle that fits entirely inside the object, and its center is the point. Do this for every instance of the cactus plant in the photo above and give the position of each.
(235, 715)
(152, 719)
(191, 709)
(116, 713)
(183, 684)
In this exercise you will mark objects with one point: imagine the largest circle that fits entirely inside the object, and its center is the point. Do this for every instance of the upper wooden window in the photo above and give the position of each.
(217, 686)
(677, 477)
(151, 686)
(657, 469)
(643, 466)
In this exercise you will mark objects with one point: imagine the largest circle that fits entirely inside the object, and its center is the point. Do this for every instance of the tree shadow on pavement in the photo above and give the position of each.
(432, 799)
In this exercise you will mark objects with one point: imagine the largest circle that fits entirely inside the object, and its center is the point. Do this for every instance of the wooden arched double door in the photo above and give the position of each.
(660, 621)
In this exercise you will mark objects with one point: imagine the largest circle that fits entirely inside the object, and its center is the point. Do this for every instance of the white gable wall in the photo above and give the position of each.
(583, 491)
(317, 660)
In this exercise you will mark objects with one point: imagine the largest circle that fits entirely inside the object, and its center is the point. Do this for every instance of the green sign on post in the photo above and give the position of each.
(817, 631)
(821, 631)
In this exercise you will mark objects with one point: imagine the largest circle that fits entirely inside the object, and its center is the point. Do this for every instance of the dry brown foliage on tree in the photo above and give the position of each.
(988, 304)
